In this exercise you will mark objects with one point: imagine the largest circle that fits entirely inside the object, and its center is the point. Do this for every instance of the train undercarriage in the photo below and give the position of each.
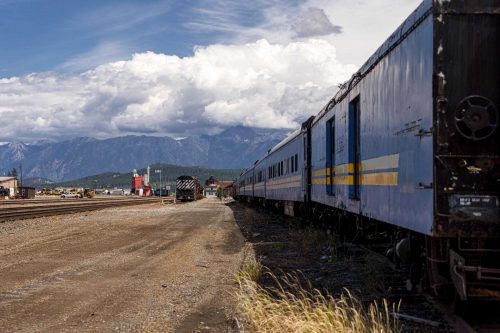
(455, 269)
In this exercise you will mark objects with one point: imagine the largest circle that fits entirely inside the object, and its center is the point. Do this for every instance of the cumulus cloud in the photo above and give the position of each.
(314, 22)
(256, 84)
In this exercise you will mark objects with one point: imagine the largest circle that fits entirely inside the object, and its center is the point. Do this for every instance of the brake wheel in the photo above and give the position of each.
(476, 118)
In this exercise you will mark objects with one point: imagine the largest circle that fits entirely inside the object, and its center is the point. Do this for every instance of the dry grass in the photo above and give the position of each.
(312, 240)
(251, 270)
(249, 214)
(293, 308)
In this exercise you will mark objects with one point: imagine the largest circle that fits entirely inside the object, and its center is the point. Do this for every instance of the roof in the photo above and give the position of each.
(289, 138)
(224, 184)
(3, 179)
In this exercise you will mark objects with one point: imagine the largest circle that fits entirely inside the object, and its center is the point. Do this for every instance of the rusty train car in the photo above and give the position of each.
(410, 142)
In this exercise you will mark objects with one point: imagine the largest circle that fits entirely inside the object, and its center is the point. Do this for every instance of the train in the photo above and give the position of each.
(188, 188)
(408, 145)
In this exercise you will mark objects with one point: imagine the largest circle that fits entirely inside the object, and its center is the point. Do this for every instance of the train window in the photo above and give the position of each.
(296, 162)
(330, 156)
(281, 166)
(354, 147)
(291, 165)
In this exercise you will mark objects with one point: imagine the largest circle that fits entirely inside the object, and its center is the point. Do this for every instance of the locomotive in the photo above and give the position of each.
(411, 143)
(188, 188)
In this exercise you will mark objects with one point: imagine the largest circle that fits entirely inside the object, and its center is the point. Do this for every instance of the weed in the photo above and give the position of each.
(292, 308)
(312, 240)
(249, 214)
(251, 269)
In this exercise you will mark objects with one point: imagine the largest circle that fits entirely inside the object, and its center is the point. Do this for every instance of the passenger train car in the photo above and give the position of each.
(410, 141)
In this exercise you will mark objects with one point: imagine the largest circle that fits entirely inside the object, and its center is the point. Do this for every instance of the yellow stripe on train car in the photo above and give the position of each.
(368, 179)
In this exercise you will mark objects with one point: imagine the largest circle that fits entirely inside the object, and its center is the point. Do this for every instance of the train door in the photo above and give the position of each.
(330, 157)
(253, 183)
(354, 148)
(306, 176)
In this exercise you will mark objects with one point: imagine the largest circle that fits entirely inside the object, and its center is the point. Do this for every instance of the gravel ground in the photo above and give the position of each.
(148, 268)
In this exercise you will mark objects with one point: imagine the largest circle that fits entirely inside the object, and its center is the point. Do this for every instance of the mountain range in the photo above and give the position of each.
(235, 148)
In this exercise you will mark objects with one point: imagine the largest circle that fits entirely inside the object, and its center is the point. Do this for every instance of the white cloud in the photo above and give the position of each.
(356, 27)
(103, 53)
(314, 22)
(366, 24)
(255, 84)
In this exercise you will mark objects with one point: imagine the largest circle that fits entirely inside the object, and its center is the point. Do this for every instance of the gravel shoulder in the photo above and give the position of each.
(154, 268)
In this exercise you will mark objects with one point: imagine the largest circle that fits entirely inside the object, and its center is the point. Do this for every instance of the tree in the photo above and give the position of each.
(13, 173)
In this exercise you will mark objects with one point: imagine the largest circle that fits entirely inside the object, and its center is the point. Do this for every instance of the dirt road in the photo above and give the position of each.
(147, 268)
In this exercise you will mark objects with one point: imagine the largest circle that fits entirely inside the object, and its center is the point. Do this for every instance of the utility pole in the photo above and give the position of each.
(21, 170)
(159, 171)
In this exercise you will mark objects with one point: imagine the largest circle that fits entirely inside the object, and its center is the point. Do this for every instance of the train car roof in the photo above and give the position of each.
(410, 24)
(289, 138)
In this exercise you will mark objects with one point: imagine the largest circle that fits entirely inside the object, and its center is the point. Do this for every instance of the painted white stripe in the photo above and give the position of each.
(381, 163)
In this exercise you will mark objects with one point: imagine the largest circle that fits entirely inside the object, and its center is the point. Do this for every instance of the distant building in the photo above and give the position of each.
(27, 192)
(10, 184)
(210, 189)
(211, 181)
(227, 188)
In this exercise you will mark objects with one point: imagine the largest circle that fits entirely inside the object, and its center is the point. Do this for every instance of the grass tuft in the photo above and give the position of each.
(312, 240)
(292, 308)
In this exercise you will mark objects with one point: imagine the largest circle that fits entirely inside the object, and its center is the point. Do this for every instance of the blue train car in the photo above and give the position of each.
(260, 170)
(285, 176)
(245, 186)
(371, 155)
(411, 141)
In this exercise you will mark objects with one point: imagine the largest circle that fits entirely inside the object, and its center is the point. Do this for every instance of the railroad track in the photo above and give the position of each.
(32, 211)
(473, 317)
(52, 200)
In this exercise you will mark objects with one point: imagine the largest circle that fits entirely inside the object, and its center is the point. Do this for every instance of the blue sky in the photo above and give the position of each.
(41, 35)
(162, 67)
(71, 35)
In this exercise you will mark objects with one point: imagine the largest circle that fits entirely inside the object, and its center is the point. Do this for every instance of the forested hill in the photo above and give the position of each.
(122, 180)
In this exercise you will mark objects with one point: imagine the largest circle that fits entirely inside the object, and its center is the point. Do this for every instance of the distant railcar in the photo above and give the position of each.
(410, 141)
(188, 188)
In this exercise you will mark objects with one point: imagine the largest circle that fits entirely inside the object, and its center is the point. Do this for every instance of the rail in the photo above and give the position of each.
(32, 211)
